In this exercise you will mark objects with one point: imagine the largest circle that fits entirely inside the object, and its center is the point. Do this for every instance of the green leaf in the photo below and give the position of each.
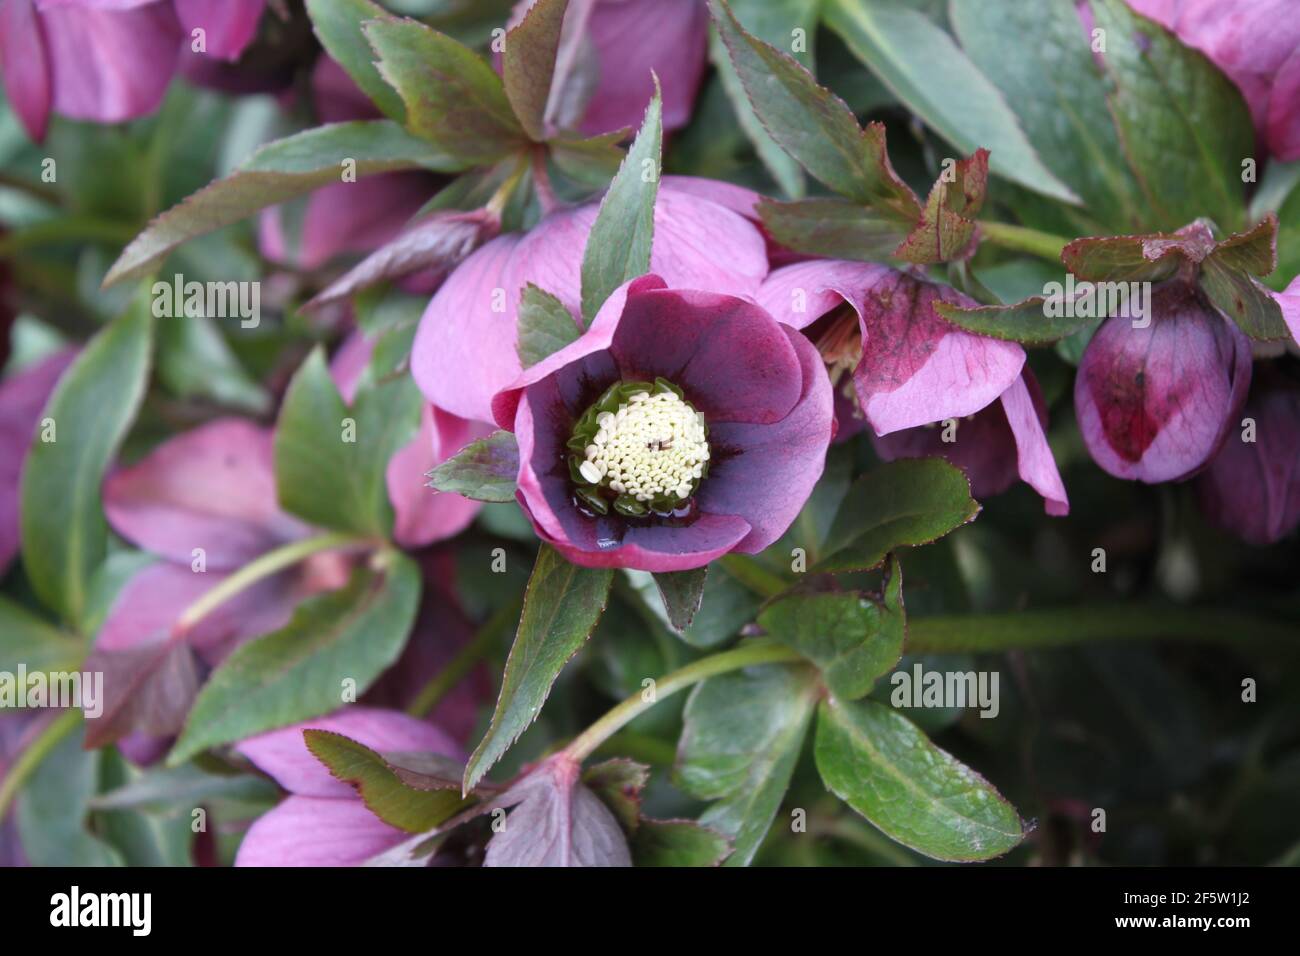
(682, 593)
(852, 639)
(1243, 299)
(678, 843)
(811, 123)
(337, 24)
(453, 98)
(36, 644)
(164, 789)
(330, 460)
(741, 738)
(618, 246)
(545, 326)
(51, 809)
(377, 782)
(925, 69)
(194, 359)
(881, 765)
(484, 470)
(562, 604)
(1058, 94)
(279, 171)
(907, 502)
(1027, 322)
(352, 634)
(619, 782)
(1183, 125)
(948, 223)
(64, 535)
(1147, 258)
(834, 228)
(528, 63)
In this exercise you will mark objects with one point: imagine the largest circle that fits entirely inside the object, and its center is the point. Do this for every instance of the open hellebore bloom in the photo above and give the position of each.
(421, 516)
(1252, 487)
(109, 60)
(465, 350)
(608, 51)
(1155, 398)
(1257, 44)
(909, 368)
(681, 426)
(323, 821)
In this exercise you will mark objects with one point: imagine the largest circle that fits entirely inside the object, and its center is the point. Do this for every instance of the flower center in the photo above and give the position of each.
(641, 448)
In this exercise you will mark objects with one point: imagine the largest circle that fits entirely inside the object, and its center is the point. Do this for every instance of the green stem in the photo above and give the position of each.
(1021, 239)
(1056, 627)
(760, 651)
(483, 641)
(31, 758)
(263, 567)
(67, 230)
(753, 575)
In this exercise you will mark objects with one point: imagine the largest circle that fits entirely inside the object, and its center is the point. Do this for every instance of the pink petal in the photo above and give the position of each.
(212, 488)
(465, 349)
(422, 515)
(1289, 300)
(317, 831)
(283, 754)
(24, 66)
(336, 97)
(1034, 460)
(1284, 110)
(230, 25)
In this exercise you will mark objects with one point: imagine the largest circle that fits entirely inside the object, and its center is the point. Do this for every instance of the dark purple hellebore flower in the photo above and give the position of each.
(108, 60)
(682, 425)
(323, 821)
(1257, 44)
(1252, 487)
(1155, 399)
(608, 52)
(909, 368)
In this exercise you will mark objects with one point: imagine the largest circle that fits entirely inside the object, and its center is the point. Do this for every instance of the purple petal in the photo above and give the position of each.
(1154, 403)
(465, 349)
(22, 399)
(1252, 489)
(211, 488)
(337, 99)
(283, 754)
(24, 66)
(765, 473)
(1289, 300)
(317, 831)
(230, 25)
(110, 65)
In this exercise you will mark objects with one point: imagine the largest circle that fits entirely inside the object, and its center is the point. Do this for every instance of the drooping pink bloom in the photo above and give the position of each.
(609, 52)
(465, 350)
(1155, 398)
(1257, 44)
(682, 425)
(22, 398)
(421, 515)
(1252, 487)
(910, 368)
(322, 822)
(108, 60)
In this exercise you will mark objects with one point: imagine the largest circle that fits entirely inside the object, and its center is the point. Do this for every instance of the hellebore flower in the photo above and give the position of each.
(465, 350)
(323, 821)
(1155, 399)
(108, 60)
(205, 503)
(421, 515)
(1252, 487)
(22, 399)
(1257, 44)
(680, 426)
(910, 368)
(608, 50)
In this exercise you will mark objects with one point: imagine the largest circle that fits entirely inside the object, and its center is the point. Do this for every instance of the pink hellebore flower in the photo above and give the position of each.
(108, 60)
(1257, 44)
(465, 350)
(682, 425)
(911, 368)
(22, 399)
(608, 52)
(422, 515)
(1252, 487)
(1155, 399)
(323, 821)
